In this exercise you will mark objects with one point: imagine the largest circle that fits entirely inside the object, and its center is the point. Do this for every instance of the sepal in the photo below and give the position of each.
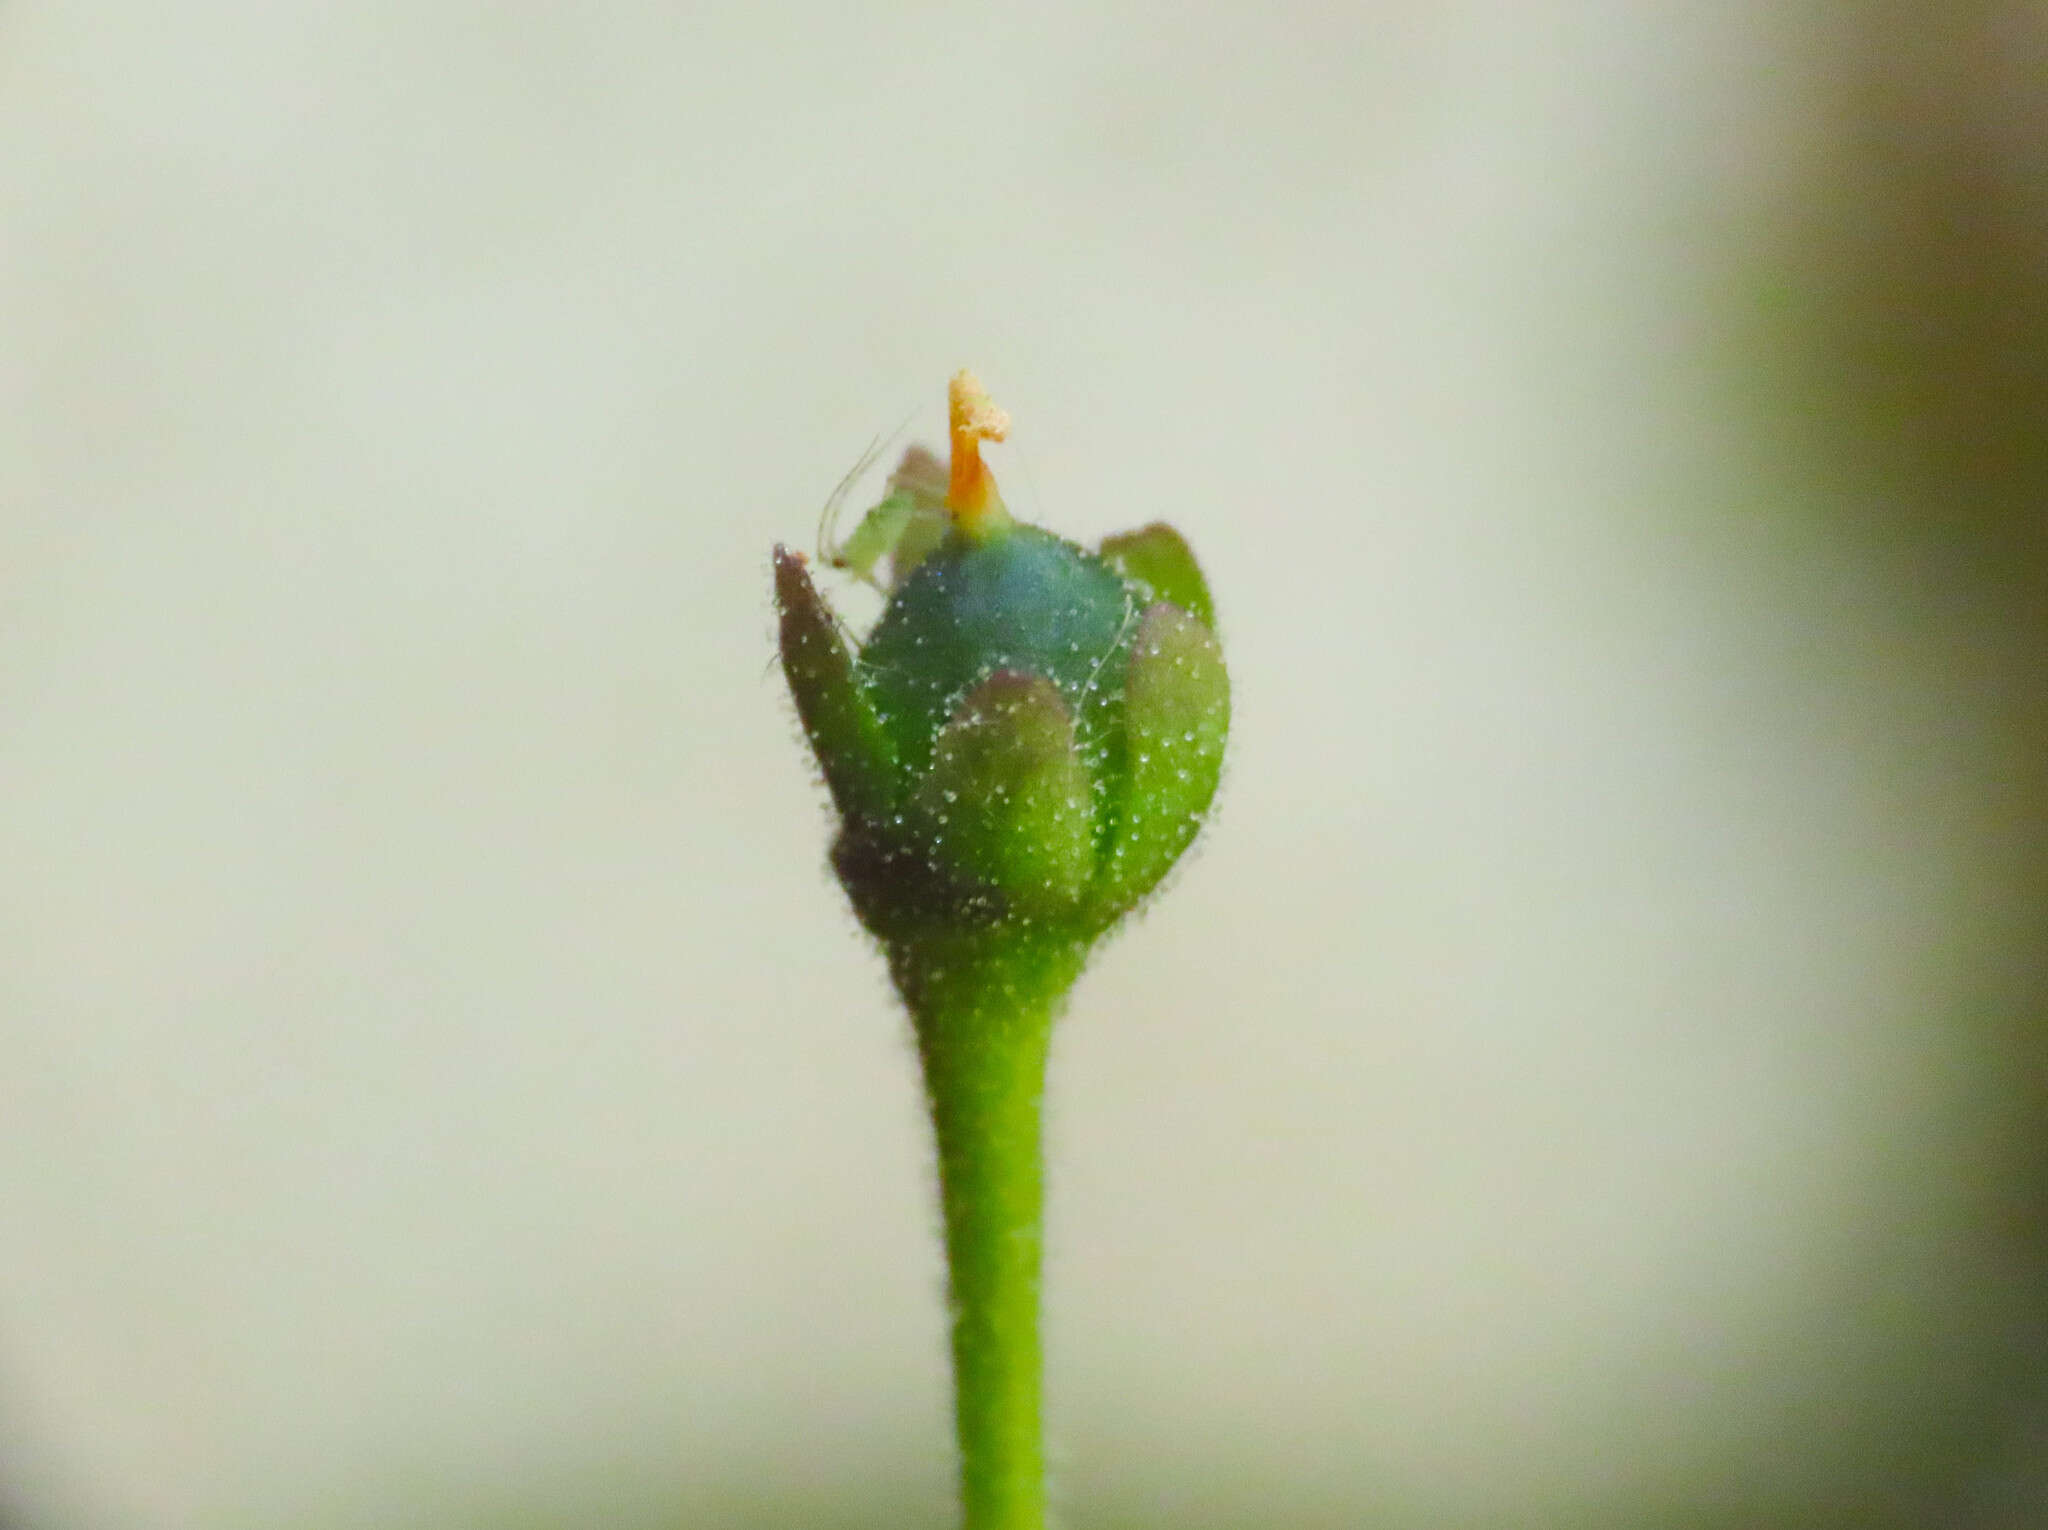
(1176, 714)
(841, 723)
(1158, 558)
(1006, 802)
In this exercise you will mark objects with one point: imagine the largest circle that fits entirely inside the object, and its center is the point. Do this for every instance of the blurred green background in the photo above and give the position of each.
(1595, 1073)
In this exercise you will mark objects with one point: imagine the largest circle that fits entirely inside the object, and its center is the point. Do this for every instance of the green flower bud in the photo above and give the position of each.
(1031, 732)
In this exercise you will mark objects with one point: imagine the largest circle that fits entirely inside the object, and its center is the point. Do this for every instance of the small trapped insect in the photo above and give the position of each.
(903, 530)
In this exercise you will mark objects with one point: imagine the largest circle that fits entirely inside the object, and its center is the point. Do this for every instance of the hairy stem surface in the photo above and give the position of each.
(984, 1006)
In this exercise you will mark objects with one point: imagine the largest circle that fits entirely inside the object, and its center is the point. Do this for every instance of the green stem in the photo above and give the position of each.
(984, 1006)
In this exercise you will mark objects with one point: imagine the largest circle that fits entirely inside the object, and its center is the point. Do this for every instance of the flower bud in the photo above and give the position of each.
(1030, 733)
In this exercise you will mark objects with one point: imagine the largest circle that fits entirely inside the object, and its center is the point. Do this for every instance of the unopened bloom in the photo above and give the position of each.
(1031, 733)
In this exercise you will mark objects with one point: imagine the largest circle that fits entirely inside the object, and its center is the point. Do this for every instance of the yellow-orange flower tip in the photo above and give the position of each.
(970, 491)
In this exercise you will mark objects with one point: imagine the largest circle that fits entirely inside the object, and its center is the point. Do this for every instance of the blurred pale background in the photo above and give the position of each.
(1593, 1073)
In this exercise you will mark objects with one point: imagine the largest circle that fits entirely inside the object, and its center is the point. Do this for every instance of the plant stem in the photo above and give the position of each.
(984, 1006)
